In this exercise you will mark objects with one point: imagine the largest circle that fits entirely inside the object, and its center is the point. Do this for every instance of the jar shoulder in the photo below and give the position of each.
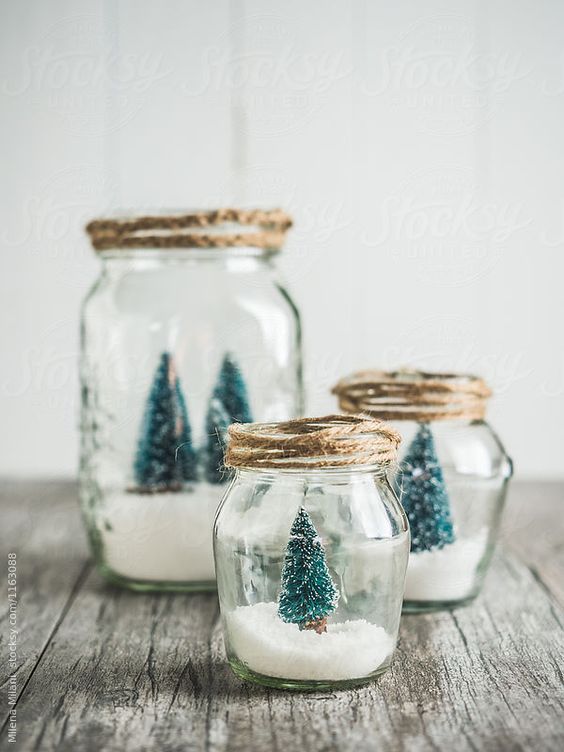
(467, 447)
(257, 507)
(184, 290)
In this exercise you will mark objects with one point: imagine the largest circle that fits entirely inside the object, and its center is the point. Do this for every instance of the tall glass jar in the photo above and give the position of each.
(187, 329)
(452, 477)
(311, 548)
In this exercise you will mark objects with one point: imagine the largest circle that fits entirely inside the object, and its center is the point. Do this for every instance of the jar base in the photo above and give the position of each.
(301, 685)
(155, 586)
(425, 607)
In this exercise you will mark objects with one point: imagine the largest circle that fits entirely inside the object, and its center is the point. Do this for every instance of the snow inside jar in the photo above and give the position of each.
(311, 548)
(452, 476)
(187, 330)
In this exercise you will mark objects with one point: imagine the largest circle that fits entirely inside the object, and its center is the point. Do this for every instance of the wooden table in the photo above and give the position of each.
(104, 669)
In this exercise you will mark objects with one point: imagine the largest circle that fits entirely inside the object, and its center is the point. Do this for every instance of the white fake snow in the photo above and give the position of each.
(269, 646)
(446, 574)
(164, 537)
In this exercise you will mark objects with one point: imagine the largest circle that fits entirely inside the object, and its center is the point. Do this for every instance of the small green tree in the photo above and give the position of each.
(229, 403)
(217, 423)
(165, 428)
(424, 495)
(232, 391)
(308, 593)
(186, 455)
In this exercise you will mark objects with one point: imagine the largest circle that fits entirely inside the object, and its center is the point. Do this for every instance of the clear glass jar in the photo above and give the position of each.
(454, 532)
(452, 477)
(176, 343)
(351, 525)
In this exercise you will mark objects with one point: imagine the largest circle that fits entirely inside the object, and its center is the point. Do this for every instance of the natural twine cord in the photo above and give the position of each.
(330, 441)
(170, 231)
(413, 395)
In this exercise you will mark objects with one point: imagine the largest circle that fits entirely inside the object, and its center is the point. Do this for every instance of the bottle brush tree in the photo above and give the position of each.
(232, 391)
(229, 403)
(165, 457)
(186, 455)
(217, 423)
(308, 593)
(424, 495)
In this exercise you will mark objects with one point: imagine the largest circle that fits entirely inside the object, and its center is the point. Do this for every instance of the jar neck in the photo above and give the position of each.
(212, 254)
(453, 423)
(313, 474)
(244, 259)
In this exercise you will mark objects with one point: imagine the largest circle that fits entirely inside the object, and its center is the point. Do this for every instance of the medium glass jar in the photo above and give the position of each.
(187, 329)
(311, 548)
(452, 477)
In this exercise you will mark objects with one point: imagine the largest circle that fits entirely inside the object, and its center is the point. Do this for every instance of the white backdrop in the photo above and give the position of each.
(418, 146)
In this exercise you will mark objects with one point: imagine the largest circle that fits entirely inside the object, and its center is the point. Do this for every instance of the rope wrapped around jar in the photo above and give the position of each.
(413, 395)
(326, 442)
(218, 228)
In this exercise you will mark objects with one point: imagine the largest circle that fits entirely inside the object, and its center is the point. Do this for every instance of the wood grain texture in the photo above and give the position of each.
(105, 669)
(41, 524)
(533, 530)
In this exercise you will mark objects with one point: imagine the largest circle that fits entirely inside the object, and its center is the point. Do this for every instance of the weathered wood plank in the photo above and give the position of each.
(533, 529)
(112, 675)
(41, 526)
(481, 678)
(125, 671)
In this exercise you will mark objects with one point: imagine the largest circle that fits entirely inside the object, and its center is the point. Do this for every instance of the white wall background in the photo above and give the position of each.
(419, 147)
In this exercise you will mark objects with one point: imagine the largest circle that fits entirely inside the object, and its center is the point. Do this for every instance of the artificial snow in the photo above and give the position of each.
(269, 646)
(164, 537)
(445, 574)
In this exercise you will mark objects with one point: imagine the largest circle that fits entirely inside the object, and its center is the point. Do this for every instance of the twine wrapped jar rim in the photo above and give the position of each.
(409, 394)
(331, 441)
(218, 228)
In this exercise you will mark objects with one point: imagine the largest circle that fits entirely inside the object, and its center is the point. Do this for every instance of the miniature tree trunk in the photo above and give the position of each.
(424, 495)
(308, 593)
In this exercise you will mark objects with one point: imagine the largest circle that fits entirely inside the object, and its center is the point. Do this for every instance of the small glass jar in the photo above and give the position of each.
(452, 477)
(311, 548)
(187, 329)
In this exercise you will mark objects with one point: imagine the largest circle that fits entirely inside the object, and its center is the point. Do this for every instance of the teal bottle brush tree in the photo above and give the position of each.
(308, 594)
(165, 457)
(424, 495)
(229, 403)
